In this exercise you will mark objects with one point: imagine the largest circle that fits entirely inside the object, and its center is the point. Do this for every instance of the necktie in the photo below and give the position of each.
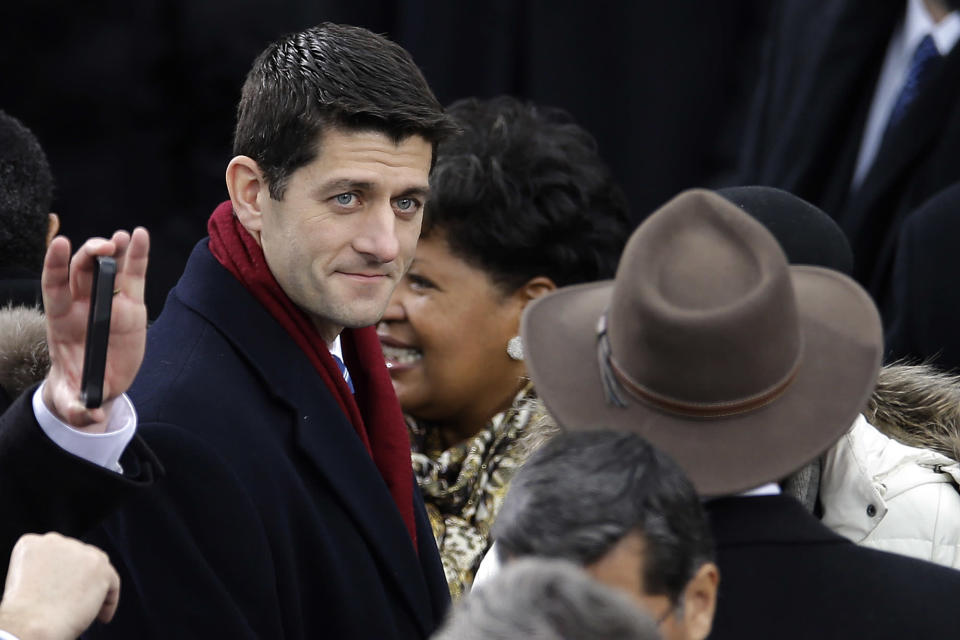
(343, 371)
(924, 60)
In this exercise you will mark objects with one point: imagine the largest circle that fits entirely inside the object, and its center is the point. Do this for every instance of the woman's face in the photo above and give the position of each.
(444, 337)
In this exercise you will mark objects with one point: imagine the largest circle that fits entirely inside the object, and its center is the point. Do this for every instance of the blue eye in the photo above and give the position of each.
(345, 199)
(407, 205)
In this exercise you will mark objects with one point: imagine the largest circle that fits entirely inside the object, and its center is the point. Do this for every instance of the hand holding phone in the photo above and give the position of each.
(98, 331)
(96, 337)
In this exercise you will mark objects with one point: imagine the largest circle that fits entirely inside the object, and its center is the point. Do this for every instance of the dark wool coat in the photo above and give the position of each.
(273, 521)
(925, 316)
(814, 95)
(43, 488)
(784, 575)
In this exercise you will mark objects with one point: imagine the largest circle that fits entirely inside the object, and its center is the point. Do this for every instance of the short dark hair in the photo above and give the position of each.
(547, 600)
(522, 192)
(582, 492)
(330, 76)
(26, 195)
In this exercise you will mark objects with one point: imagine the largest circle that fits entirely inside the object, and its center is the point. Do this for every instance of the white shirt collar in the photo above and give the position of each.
(918, 23)
(769, 489)
(335, 348)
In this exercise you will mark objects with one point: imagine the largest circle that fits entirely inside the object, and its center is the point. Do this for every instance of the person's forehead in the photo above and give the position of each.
(367, 158)
(345, 144)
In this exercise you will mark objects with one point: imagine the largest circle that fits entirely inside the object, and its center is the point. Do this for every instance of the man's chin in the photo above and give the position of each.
(330, 324)
(361, 320)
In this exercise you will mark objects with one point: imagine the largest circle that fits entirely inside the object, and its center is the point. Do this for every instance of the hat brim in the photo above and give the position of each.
(843, 345)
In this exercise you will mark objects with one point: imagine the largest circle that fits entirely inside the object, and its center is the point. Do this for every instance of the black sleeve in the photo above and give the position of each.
(44, 488)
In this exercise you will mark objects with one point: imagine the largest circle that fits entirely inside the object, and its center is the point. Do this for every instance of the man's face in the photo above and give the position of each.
(623, 568)
(347, 227)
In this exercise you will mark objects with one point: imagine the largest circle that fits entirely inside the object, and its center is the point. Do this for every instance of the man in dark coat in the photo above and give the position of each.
(64, 466)
(289, 508)
(858, 112)
(743, 369)
(925, 322)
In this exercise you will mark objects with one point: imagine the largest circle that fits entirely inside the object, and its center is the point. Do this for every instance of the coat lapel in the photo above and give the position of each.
(821, 92)
(871, 220)
(915, 132)
(322, 432)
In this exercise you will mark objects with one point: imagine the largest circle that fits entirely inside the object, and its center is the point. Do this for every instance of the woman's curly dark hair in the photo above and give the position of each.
(523, 193)
(26, 194)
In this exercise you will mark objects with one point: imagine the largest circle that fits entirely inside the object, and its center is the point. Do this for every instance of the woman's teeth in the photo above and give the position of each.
(400, 355)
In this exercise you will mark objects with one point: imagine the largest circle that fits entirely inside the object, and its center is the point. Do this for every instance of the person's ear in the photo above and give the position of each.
(533, 289)
(700, 601)
(53, 227)
(248, 192)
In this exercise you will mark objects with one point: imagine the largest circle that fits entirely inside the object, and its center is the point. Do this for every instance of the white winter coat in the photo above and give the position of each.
(883, 494)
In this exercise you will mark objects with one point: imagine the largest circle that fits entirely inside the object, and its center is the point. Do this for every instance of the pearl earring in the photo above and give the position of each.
(515, 348)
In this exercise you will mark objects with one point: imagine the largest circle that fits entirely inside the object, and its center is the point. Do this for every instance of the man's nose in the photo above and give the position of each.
(377, 236)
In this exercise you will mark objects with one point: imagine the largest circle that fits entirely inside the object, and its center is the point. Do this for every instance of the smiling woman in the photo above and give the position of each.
(520, 204)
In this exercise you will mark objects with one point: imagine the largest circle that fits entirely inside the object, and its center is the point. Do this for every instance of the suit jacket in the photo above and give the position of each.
(925, 318)
(821, 67)
(273, 521)
(785, 575)
(43, 488)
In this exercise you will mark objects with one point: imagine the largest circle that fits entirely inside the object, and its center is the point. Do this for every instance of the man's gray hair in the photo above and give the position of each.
(582, 492)
(541, 599)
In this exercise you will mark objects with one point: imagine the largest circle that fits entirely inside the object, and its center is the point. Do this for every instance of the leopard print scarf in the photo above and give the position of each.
(464, 486)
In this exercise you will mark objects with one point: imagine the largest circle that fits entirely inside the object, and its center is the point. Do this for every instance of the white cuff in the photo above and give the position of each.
(6, 635)
(103, 449)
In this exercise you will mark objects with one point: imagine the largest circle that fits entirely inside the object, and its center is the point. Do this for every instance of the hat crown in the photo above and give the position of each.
(703, 312)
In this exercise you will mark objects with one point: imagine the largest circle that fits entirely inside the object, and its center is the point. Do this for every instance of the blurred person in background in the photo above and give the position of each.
(26, 228)
(520, 204)
(926, 309)
(857, 110)
(26, 224)
(545, 599)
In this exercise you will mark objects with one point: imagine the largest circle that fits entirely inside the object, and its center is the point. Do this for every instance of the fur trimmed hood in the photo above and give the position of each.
(919, 406)
(24, 359)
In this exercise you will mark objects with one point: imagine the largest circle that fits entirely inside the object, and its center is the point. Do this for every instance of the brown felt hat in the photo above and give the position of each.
(711, 346)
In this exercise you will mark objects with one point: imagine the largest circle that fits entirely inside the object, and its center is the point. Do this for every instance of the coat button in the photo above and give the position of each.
(871, 510)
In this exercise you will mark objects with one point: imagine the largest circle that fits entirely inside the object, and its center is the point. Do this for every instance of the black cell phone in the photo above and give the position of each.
(98, 332)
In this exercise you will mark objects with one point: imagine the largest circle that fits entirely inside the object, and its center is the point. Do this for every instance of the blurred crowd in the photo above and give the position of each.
(449, 360)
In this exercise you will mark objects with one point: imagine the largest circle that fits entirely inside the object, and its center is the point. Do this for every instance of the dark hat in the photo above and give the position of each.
(711, 346)
(805, 233)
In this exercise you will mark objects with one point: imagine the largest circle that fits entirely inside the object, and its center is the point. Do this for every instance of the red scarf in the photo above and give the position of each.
(375, 403)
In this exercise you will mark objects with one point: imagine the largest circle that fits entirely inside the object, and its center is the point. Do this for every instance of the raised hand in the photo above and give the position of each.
(66, 298)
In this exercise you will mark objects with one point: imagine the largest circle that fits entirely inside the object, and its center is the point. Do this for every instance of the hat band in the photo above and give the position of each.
(614, 378)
